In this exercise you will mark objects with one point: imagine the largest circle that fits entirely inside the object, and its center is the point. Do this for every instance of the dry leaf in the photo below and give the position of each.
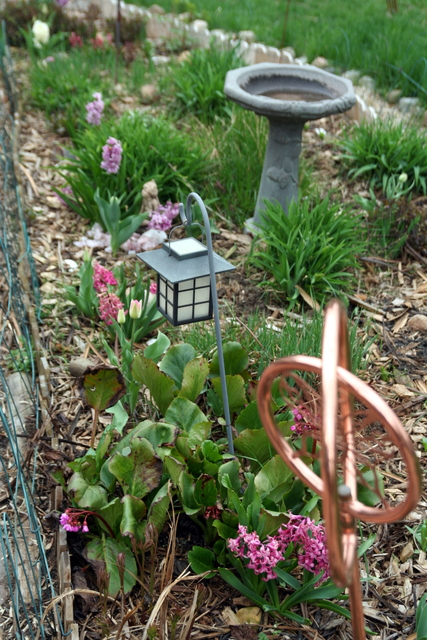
(407, 551)
(399, 324)
(230, 617)
(418, 322)
(401, 391)
(308, 299)
(249, 615)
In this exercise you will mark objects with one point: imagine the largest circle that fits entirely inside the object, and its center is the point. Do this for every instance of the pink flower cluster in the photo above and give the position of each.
(109, 307)
(94, 111)
(304, 420)
(102, 277)
(100, 40)
(308, 537)
(161, 219)
(70, 520)
(111, 155)
(75, 40)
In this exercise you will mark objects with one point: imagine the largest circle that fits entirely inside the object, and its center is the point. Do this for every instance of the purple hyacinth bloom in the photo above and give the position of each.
(111, 155)
(61, 3)
(161, 219)
(94, 109)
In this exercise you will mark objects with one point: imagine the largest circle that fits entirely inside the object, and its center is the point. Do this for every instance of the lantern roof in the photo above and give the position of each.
(176, 270)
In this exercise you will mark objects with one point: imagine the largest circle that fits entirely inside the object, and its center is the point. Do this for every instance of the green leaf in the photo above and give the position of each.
(236, 359)
(103, 386)
(159, 508)
(133, 510)
(234, 582)
(254, 444)
(235, 389)
(365, 545)
(106, 550)
(87, 495)
(140, 470)
(228, 475)
(160, 386)
(185, 414)
(112, 513)
(366, 494)
(158, 347)
(194, 378)
(120, 417)
(201, 560)
(175, 360)
(205, 491)
(126, 228)
(248, 418)
(274, 480)
(187, 488)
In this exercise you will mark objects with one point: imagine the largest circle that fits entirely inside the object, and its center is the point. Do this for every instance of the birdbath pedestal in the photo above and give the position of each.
(289, 96)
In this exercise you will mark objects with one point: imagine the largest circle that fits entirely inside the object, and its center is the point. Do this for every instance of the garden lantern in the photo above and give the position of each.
(186, 285)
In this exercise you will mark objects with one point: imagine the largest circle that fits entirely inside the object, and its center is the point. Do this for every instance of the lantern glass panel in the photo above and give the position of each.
(203, 282)
(201, 310)
(170, 294)
(184, 286)
(185, 297)
(185, 314)
(161, 298)
(202, 295)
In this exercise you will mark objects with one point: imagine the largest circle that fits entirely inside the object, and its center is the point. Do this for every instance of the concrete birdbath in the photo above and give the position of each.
(288, 95)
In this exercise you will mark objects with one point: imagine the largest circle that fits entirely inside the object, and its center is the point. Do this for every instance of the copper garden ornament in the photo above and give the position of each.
(352, 432)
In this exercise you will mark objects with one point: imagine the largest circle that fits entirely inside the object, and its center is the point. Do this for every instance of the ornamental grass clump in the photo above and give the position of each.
(387, 154)
(314, 247)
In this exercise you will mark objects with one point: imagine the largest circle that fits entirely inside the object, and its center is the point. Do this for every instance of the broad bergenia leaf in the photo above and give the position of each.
(106, 550)
(140, 470)
(87, 495)
(175, 360)
(145, 371)
(194, 378)
(236, 359)
(133, 510)
(103, 386)
(235, 390)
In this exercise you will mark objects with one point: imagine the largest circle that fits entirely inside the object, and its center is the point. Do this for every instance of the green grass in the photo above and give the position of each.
(358, 35)
(382, 151)
(302, 337)
(62, 88)
(313, 247)
(197, 84)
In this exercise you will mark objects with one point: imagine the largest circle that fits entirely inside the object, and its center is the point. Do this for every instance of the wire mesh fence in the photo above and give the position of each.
(26, 585)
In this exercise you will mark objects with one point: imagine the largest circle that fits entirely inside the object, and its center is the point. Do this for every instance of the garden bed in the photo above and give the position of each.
(388, 339)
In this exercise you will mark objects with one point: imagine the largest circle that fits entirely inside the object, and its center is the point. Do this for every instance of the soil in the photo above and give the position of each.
(390, 293)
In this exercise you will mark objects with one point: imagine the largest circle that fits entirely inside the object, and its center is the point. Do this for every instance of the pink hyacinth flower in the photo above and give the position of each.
(111, 155)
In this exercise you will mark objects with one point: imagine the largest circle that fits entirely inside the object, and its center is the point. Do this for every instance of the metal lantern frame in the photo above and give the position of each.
(186, 284)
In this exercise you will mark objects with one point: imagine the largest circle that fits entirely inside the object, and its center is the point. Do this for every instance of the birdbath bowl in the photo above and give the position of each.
(288, 95)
